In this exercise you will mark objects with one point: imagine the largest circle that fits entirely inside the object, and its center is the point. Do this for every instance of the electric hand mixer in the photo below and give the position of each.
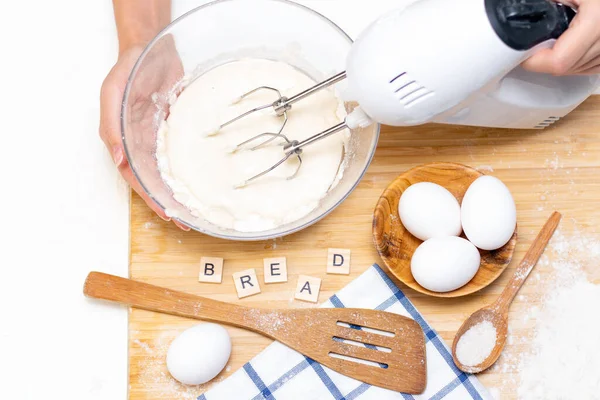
(444, 61)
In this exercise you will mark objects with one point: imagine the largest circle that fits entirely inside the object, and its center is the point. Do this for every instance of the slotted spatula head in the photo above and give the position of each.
(376, 347)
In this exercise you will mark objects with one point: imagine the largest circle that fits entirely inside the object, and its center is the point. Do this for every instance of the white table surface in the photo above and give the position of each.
(65, 210)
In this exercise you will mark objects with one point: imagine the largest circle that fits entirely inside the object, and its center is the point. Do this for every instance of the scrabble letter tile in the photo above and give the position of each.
(275, 270)
(211, 270)
(338, 261)
(308, 288)
(246, 283)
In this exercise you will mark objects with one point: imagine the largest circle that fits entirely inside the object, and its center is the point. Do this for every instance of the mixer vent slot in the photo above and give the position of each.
(547, 122)
(408, 90)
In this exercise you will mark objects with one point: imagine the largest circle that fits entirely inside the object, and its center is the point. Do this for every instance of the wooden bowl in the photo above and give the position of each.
(396, 245)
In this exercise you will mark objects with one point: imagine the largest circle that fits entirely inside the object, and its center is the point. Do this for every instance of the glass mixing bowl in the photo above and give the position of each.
(221, 32)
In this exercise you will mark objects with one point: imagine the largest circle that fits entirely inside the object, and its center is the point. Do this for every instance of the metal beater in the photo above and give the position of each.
(280, 107)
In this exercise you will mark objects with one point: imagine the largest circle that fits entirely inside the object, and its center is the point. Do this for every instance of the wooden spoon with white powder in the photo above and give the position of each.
(481, 338)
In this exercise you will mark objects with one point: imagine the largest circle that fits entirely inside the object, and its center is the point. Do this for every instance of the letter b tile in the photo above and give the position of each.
(211, 270)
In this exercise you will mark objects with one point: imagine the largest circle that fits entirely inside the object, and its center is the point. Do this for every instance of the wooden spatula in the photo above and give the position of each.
(393, 358)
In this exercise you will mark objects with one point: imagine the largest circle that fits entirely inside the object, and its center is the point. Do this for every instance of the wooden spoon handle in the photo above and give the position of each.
(529, 261)
(154, 298)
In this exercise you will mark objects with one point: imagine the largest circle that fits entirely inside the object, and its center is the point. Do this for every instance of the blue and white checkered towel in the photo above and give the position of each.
(283, 374)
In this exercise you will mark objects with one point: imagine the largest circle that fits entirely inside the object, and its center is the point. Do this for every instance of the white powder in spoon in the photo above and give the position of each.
(476, 344)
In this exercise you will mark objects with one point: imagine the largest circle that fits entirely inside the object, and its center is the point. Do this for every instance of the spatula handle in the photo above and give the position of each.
(153, 298)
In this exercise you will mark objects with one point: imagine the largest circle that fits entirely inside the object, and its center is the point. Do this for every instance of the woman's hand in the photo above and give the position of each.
(577, 51)
(162, 70)
(138, 21)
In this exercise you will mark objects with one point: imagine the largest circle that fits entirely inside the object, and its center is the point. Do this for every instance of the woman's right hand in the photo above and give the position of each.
(577, 51)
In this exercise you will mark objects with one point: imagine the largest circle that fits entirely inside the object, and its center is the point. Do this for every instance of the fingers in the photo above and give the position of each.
(590, 68)
(111, 99)
(135, 185)
(110, 133)
(127, 173)
(576, 47)
(111, 96)
(572, 3)
(542, 61)
(110, 112)
(182, 226)
(590, 59)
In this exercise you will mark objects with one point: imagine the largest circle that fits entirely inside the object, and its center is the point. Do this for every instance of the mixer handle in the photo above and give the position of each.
(523, 24)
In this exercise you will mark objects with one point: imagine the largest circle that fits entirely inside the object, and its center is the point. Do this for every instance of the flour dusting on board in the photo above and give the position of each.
(564, 359)
(153, 374)
(561, 358)
(564, 362)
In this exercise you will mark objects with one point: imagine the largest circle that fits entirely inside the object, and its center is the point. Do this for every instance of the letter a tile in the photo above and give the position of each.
(308, 289)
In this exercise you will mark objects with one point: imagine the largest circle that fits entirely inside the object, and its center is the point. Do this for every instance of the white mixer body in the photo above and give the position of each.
(442, 61)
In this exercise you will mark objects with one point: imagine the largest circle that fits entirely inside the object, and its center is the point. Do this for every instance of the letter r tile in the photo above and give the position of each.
(246, 283)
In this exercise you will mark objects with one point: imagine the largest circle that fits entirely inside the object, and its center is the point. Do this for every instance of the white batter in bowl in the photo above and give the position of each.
(216, 53)
(203, 172)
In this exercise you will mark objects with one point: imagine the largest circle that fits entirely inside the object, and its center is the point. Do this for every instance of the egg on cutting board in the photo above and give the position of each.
(443, 264)
(199, 354)
(429, 210)
(488, 213)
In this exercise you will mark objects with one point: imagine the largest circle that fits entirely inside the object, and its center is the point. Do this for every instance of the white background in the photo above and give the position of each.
(64, 208)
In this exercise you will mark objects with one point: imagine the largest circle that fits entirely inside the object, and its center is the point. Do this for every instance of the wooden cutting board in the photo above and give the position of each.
(558, 168)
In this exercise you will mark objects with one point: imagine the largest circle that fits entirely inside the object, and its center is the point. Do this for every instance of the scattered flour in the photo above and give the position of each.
(495, 393)
(554, 163)
(560, 359)
(565, 359)
(153, 376)
(485, 168)
(476, 344)
(143, 345)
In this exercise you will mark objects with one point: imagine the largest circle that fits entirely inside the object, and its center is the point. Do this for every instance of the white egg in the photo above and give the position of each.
(198, 354)
(443, 264)
(428, 210)
(488, 213)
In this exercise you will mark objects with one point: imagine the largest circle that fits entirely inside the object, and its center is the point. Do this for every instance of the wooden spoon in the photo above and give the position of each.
(497, 313)
(398, 363)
